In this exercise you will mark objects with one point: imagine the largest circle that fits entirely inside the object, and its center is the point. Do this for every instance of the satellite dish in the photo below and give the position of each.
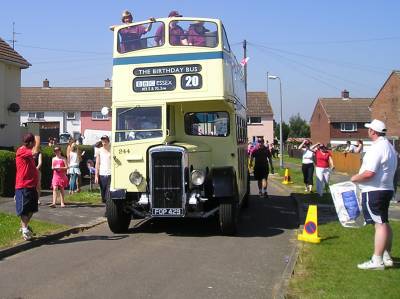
(104, 111)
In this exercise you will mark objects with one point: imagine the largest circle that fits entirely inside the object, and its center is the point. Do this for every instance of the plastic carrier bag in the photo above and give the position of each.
(347, 199)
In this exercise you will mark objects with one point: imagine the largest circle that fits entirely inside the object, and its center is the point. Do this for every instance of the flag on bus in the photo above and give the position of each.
(244, 61)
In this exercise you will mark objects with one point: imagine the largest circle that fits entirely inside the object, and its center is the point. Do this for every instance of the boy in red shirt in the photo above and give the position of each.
(26, 197)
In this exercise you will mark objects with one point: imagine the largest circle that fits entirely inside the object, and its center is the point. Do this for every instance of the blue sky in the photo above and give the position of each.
(318, 48)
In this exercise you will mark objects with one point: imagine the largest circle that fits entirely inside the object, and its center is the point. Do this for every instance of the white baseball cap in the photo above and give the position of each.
(377, 126)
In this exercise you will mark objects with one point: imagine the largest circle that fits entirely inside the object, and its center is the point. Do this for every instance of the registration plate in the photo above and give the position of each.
(167, 212)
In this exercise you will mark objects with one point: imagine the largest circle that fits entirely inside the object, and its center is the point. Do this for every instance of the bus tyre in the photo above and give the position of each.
(118, 220)
(228, 218)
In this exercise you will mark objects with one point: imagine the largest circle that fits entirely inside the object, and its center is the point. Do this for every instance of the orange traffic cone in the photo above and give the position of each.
(287, 179)
(310, 230)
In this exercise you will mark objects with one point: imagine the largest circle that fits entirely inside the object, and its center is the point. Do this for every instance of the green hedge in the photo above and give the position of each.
(7, 173)
(7, 167)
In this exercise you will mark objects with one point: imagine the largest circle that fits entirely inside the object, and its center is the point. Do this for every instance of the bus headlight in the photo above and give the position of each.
(136, 178)
(198, 177)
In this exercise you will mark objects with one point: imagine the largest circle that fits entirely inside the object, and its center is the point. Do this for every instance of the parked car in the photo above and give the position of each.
(64, 137)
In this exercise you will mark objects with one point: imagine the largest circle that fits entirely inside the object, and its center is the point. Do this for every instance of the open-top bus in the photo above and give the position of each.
(179, 134)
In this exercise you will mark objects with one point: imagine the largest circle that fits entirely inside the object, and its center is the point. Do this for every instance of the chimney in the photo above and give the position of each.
(46, 83)
(107, 83)
(345, 94)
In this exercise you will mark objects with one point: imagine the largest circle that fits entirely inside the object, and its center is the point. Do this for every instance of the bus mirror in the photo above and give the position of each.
(104, 111)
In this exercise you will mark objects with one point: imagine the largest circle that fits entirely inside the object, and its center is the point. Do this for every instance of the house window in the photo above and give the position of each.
(36, 115)
(348, 127)
(96, 115)
(254, 120)
(71, 115)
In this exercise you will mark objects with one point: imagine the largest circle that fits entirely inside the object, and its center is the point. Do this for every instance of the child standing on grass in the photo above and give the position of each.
(60, 180)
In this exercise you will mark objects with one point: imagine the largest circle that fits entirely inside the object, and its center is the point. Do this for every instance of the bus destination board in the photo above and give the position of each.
(167, 70)
(154, 83)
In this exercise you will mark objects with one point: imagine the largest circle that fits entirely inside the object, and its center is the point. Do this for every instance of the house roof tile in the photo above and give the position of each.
(9, 55)
(65, 98)
(348, 110)
(258, 104)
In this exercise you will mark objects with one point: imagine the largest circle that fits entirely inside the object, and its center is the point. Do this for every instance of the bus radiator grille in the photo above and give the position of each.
(167, 180)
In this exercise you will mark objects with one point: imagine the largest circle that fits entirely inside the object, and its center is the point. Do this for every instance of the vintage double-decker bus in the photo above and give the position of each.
(179, 134)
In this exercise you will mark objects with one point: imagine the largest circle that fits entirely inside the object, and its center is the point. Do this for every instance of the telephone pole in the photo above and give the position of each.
(245, 66)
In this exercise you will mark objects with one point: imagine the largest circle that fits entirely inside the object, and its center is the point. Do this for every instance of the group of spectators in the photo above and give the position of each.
(377, 179)
(28, 175)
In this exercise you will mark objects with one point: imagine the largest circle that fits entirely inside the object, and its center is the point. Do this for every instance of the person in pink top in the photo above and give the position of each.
(131, 36)
(60, 180)
(323, 167)
(196, 34)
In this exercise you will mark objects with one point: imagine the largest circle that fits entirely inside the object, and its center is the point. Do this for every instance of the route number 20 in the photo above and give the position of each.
(192, 81)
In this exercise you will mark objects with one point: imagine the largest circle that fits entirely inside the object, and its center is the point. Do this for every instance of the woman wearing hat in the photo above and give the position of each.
(196, 34)
(131, 36)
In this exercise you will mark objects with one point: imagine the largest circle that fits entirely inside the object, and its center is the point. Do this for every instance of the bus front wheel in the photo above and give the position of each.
(118, 220)
(228, 217)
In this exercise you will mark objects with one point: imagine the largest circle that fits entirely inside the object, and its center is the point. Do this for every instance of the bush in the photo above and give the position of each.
(7, 173)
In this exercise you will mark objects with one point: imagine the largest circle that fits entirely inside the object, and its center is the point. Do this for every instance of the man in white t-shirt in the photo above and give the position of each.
(375, 180)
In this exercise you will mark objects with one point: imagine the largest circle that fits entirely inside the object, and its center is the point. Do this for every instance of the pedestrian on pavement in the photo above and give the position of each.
(37, 156)
(73, 170)
(307, 164)
(375, 180)
(103, 168)
(60, 180)
(26, 197)
(359, 147)
(261, 157)
(323, 167)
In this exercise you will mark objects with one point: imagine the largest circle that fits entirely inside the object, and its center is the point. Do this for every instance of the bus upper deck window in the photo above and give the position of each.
(193, 33)
(139, 37)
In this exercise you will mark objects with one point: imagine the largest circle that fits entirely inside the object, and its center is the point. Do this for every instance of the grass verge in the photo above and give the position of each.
(10, 225)
(88, 197)
(329, 269)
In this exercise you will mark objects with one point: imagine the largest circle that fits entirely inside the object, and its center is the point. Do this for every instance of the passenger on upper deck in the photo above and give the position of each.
(130, 36)
(177, 35)
(196, 34)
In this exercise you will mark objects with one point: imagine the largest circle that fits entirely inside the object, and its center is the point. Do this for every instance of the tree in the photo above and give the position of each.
(298, 127)
(285, 131)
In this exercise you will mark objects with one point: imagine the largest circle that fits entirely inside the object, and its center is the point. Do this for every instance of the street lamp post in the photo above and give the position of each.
(280, 121)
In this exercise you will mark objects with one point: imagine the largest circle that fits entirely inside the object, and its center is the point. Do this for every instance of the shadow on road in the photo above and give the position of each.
(263, 218)
(88, 238)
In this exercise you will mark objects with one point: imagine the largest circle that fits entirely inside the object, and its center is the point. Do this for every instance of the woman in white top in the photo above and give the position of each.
(307, 165)
(103, 168)
(73, 170)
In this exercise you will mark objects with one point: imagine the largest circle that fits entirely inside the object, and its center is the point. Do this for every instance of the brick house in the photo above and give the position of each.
(336, 120)
(386, 105)
(66, 109)
(260, 117)
(11, 64)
